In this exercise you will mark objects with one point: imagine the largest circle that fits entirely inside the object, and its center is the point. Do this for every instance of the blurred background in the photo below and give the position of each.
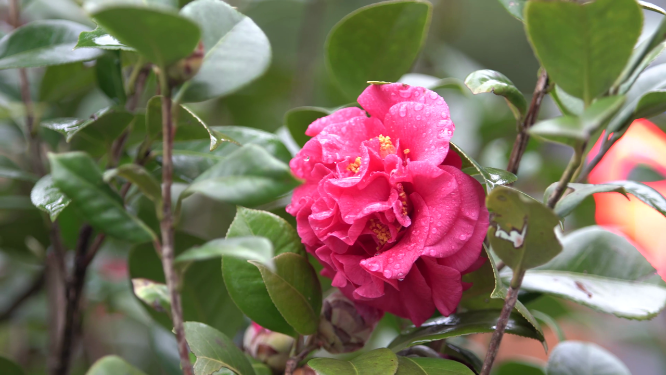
(464, 36)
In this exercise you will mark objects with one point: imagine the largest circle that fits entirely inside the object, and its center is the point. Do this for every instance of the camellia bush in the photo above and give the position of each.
(360, 239)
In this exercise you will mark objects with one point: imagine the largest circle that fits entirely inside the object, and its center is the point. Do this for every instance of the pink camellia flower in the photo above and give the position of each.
(385, 207)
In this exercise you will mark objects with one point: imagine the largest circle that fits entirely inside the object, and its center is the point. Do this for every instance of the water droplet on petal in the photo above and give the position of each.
(463, 237)
(445, 115)
(418, 117)
(388, 274)
(405, 93)
(418, 106)
(433, 95)
(403, 111)
(396, 266)
(307, 158)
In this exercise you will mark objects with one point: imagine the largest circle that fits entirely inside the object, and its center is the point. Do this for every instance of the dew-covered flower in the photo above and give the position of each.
(385, 207)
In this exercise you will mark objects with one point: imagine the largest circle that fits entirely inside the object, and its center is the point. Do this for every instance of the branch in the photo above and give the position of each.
(293, 362)
(606, 145)
(166, 224)
(496, 340)
(568, 174)
(523, 137)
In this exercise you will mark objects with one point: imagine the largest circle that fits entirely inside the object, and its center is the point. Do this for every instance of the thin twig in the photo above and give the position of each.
(606, 144)
(496, 340)
(568, 174)
(166, 226)
(73, 293)
(293, 362)
(523, 137)
(34, 287)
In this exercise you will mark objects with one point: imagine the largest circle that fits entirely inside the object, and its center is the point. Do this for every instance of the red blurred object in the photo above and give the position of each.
(643, 144)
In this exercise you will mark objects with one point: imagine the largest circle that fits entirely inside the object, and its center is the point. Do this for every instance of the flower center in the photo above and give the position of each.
(381, 231)
(385, 146)
(355, 166)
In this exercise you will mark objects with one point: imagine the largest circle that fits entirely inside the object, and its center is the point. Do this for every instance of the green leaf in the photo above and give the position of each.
(464, 355)
(515, 7)
(160, 35)
(295, 290)
(376, 362)
(596, 251)
(522, 230)
(155, 295)
(43, 43)
(377, 42)
(298, 119)
(95, 134)
(522, 368)
(460, 324)
(492, 176)
(236, 51)
(244, 282)
(269, 141)
(62, 81)
(653, 79)
(625, 299)
(257, 249)
(140, 177)
(110, 77)
(113, 365)
(583, 47)
(214, 351)
(10, 170)
(644, 193)
(431, 366)
(581, 358)
(204, 295)
(651, 104)
(577, 194)
(575, 131)
(188, 125)
(48, 198)
(490, 81)
(77, 176)
(568, 105)
(8, 367)
(99, 38)
(249, 176)
(277, 230)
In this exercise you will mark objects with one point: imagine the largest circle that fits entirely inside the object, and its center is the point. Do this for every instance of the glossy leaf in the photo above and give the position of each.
(113, 365)
(652, 7)
(651, 104)
(375, 362)
(515, 7)
(522, 231)
(10, 170)
(140, 177)
(46, 196)
(43, 43)
(249, 176)
(77, 176)
(8, 367)
(295, 290)
(155, 295)
(203, 291)
(625, 299)
(653, 79)
(66, 81)
(257, 249)
(431, 366)
(492, 176)
(298, 119)
(236, 51)
(160, 35)
(490, 81)
(94, 134)
(577, 194)
(644, 193)
(581, 358)
(99, 38)
(268, 141)
(522, 368)
(188, 125)
(460, 324)
(575, 131)
(596, 251)
(244, 282)
(584, 47)
(377, 42)
(214, 351)
(568, 105)
(110, 78)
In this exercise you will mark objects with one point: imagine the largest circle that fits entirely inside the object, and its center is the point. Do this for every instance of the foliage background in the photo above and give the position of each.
(464, 36)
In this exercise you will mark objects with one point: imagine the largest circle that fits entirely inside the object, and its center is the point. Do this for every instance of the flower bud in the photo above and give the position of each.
(271, 348)
(184, 69)
(342, 328)
(305, 370)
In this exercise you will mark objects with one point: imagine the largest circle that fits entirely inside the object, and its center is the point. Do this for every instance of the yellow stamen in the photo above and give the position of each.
(381, 231)
(355, 166)
(406, 151)
(385, 146)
